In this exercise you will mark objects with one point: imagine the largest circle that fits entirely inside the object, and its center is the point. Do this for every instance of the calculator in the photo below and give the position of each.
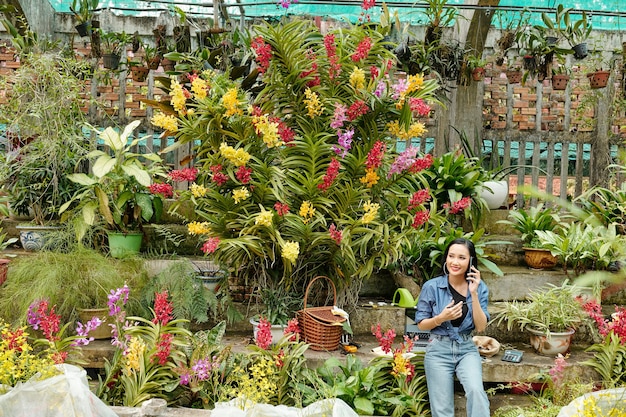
(512, 355)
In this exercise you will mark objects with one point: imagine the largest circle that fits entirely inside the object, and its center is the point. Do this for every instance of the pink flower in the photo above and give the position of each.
(421, 164)
(163, 309)
(166, 190)
(375, 155)
(243, 174)
(403, 162)
(210, 245)
(293, 329)
(420, 218)
(418, 106)
(385, 341)
(331, 173)
(368, 4)
(40, 317)
(185, 174)
(281, 208)
(339, 116)
(362, 49)
(264, 334)
(335, 234)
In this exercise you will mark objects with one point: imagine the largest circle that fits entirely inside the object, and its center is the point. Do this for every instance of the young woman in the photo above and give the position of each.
(451, 306)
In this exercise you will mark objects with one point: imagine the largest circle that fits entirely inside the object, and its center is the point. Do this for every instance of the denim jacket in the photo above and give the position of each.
(436, 295)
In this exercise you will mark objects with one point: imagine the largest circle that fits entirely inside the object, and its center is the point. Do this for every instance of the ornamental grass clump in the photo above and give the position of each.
(315, 175)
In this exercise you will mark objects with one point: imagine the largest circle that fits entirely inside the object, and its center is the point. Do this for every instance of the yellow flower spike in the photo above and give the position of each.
(264, 218)
(237, 157)
(371, 210)
(357, 78)
(291, 250)
(167, 122)
(198, 190)
(231, 102)
(199, 88)
(306, 211)
(371, 178)
(240, 194)
(178, 97)
(313, 104)
(197, 228)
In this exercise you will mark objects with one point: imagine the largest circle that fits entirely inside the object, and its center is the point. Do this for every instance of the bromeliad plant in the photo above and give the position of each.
(305, 179)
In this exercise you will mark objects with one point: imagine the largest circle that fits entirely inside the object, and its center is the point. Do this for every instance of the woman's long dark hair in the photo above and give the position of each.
(469, 245)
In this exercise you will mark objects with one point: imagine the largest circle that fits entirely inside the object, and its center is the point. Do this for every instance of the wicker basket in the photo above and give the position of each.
(321, 329)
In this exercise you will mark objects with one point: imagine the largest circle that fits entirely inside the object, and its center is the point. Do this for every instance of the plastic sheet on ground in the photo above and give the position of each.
(64, 395)
(332, 407)
(610, 402)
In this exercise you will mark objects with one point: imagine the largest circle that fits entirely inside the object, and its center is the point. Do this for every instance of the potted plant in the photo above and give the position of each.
(551, 315)
(474, 67)
(43, 116)
(576, 33)
(117, 192)
(278, 307)
(79, 279)
(528, 222)
(83, 12)
(113, 44)
(560, 75)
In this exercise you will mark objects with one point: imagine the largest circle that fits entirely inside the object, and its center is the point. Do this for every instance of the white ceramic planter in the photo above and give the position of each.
(495, 193)
(277, 330)
(550, 345)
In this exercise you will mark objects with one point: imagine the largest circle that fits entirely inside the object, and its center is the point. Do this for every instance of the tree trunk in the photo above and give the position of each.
(405, 281)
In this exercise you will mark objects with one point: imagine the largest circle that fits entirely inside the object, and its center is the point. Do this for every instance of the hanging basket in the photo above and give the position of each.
(321, 329)
(580, 50)
(139, 74)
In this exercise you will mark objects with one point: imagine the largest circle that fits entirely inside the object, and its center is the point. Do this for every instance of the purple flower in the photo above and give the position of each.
(345, 142)
(202, 367)
(339, 117)
(114, 297)
(185, 379)
(399, 88)
(380, 89)
(403, 161)
(83, 331)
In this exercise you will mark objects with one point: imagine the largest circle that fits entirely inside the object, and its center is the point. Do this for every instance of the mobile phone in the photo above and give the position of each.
(469, 267)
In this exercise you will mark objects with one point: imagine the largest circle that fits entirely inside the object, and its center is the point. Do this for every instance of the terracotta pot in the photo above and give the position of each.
(514, 76)
(598, 79)
(104, 330)
(478, 74)
(154, 63)
(139, 74)
(4, 268)
(167, 64)
(559, 81)
(539, 258)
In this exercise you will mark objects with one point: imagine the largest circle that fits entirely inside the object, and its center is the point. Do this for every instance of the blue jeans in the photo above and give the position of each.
(445, 357)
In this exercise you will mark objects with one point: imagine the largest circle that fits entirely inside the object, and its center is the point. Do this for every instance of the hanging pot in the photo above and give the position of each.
(559, 81)
(84, 29)
(598, 79)
(139, 74)
(167, 64)
(154, 63)
(4, 268)
(529, 63)
(111, 61)
(478, 74)
(580, 50)
(514, 76)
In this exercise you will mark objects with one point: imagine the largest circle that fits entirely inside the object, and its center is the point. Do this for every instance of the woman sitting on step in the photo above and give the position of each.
(451, 306)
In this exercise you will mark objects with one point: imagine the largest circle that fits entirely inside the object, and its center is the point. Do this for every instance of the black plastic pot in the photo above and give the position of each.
(84, 29)
(111, 61)
(580, 50)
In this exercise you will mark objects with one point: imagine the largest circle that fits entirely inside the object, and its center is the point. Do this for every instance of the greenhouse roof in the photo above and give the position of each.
(604, 14)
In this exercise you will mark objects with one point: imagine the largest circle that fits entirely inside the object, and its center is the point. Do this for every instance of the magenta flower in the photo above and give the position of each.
(339, 116)
(335, 234)
(185, 174)
(211, 245)
(403, 162)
